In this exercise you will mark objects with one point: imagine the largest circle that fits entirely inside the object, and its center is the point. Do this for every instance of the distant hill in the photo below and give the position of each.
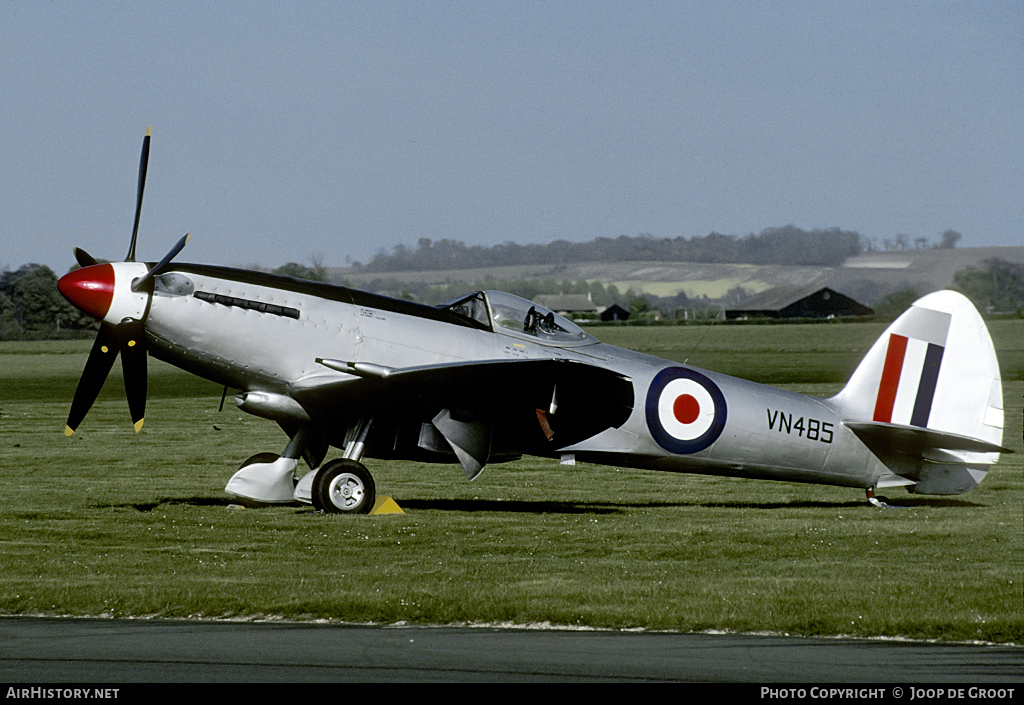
(927, 269)
(787, 245)
(867, 277)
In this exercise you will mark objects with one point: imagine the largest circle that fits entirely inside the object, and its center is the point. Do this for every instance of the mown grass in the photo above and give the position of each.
(113, 523)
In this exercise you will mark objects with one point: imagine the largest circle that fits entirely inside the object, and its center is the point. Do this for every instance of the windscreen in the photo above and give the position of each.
(513, 315)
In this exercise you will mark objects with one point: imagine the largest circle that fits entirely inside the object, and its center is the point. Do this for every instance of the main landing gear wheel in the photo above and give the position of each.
(344, 487)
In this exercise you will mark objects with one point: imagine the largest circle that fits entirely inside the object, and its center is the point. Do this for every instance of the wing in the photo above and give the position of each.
(481, 408)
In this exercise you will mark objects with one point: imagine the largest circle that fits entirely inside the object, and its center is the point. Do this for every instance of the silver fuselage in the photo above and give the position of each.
(259, 333)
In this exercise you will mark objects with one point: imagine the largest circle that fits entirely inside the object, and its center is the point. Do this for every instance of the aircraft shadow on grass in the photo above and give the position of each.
(168, 501)
(497, 506)
(449, 505)
(916, 503)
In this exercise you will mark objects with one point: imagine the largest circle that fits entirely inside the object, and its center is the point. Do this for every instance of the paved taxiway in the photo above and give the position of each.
(38, 650)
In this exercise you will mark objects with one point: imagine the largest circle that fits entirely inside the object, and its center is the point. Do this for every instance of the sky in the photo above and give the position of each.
(287, 131)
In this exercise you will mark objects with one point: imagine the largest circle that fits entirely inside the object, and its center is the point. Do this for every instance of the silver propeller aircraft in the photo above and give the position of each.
(491, 377)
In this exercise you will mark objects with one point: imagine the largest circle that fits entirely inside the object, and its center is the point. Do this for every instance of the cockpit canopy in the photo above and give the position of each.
(517, 317)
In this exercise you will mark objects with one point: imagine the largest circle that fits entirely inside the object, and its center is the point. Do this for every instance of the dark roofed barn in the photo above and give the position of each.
(796, 302)
(614, 313)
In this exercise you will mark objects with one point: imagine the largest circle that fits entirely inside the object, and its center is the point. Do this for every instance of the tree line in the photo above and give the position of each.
(996, 286)
(786, 245)
(31, 306)
(789, 244)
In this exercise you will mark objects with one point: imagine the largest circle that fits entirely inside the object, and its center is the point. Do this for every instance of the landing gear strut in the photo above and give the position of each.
(342, 486)
(345, 486)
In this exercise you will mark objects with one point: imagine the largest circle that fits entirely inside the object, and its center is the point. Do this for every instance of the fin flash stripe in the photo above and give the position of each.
(910, 376)
(886, 399)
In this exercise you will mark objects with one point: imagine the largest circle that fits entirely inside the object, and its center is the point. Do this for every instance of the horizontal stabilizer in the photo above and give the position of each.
(913, 440)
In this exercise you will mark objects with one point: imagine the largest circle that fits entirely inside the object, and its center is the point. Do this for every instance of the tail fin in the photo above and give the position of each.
(927, 399)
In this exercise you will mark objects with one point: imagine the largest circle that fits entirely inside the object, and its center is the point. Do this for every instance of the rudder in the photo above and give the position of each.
(927, 398)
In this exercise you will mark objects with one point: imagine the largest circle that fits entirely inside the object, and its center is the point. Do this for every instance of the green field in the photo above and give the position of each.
(113, 523)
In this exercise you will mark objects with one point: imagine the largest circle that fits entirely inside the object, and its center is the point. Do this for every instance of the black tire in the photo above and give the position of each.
(344, 487)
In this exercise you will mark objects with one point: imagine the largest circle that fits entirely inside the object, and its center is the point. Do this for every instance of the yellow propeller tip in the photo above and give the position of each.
(68, 431)
(149, 131)
(138, 425)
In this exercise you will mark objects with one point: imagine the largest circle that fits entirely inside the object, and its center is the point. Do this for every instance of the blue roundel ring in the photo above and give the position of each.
(686, 411)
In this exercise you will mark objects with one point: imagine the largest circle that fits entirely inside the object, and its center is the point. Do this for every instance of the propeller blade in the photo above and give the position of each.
(84, 259)
(92, 292)
(133, 362)
(143, 167)
(129, 339)
(101, 359)
(178, 247)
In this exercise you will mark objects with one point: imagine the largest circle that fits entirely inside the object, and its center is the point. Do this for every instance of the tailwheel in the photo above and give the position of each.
(344, 487)
(881, 502)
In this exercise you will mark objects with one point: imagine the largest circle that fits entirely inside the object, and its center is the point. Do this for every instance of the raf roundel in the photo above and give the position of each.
(685, 410)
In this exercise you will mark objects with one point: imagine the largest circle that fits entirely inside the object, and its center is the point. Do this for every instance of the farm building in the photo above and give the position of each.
(798, 302)
(614, 313)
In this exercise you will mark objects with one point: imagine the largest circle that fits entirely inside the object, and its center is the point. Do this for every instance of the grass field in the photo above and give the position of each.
(113, 523)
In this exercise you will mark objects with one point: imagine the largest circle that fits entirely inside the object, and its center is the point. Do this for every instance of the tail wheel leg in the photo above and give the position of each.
(882, 502)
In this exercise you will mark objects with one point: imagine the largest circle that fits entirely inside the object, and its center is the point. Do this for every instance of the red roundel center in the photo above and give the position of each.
(686, 409)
